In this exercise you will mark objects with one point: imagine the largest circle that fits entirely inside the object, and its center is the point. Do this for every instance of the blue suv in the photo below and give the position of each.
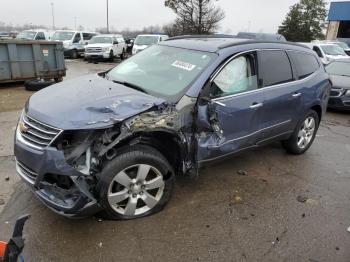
(112, 143)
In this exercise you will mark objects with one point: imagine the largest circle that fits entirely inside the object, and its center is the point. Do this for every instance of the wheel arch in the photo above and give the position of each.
(318, 110)
(169, 144)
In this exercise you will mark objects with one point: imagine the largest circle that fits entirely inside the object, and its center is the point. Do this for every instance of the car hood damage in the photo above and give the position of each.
(95, 101)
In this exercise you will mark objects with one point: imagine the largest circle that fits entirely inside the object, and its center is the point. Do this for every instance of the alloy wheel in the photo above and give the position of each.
(306, 132)
(136, 190)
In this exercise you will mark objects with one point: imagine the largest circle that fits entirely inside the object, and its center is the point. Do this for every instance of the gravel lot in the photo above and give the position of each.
(263, 205)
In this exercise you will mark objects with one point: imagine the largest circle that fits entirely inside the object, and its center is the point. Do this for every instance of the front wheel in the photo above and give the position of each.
(136, 183)
(303, 135)
(123, 55)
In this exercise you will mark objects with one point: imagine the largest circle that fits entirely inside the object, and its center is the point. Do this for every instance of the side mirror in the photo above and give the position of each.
(115, 42)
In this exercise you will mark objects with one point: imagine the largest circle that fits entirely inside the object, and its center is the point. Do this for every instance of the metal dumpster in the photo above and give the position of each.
(22, 60)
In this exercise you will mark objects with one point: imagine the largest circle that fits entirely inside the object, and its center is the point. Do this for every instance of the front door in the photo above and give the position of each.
(230, 110)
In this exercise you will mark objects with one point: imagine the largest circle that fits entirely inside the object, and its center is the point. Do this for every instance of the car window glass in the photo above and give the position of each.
(77, 38)
(237, 76)
(40, 36)
(275, 67)
(87, 36)
(305, 64)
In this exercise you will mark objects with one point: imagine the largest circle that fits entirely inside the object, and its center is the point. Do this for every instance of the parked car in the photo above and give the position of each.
(144, 41)
(106, 47)
(74, 42)
(35, 34)
(114, 141)
(327, 52)
(339, 72)
(342, 45)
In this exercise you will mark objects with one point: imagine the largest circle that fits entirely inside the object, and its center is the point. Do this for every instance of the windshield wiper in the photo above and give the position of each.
(133, 86)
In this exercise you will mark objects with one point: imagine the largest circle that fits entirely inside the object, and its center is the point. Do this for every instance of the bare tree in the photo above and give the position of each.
(195, 16)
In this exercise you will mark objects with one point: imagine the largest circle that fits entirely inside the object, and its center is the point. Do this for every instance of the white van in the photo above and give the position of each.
(327, 52)
(35, 34)
(144, 41)
(106, 46)
(74, 42)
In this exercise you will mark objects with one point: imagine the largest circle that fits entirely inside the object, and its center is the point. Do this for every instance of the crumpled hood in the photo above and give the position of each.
(340, 81)
(88, 102)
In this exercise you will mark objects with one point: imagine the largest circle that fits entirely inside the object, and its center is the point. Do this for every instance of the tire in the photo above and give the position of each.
(129, 162)
(36, 85)
(74, 54)
(58, 79)
(303, 135)
(123, 55)
(111, 56)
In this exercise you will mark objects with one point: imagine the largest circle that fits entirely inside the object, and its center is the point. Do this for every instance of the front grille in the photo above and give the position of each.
(26, 173)
(36, 133)
(336, 92)
(93, 49)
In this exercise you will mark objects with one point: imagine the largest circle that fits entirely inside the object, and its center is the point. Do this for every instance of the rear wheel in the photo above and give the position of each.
(74, 54)
(111, 56)
(136, 183)
(123, 55)
(304, 134)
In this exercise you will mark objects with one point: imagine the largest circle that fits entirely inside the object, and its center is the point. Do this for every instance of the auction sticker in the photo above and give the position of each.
(46, 52)
(183, 65)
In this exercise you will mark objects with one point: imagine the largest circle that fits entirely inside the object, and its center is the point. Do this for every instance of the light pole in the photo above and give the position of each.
(53, 16)
(107, 19)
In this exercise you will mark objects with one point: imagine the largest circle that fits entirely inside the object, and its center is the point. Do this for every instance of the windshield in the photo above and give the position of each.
(146, 40)
(101, 40)
(338, 68)
(342, 45)
(162, 71)
(26, 35)
(62, 36)
(333, 50)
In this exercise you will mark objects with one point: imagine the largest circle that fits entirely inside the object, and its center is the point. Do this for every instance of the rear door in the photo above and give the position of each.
(283, 94)
(229, 119)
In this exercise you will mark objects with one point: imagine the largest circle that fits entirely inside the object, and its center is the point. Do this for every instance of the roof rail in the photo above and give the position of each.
(201, 36)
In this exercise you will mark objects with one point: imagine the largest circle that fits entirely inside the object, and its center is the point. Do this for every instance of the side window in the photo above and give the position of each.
(120, 40)
(275, 67)
(318, 51)
(239, 75)
(40, 36)
(77, 38)
(87, 36)
(305, 64)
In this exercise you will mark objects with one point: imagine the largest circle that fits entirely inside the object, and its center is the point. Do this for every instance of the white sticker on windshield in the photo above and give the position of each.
(183, 65)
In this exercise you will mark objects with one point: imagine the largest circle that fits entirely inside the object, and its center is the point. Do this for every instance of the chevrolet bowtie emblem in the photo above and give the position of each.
(22, 127)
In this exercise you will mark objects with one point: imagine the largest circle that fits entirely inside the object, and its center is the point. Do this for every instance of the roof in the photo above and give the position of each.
(213, 43)
(339, 11)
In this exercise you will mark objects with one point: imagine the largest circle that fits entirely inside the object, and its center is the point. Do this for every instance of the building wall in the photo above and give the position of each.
(332, 31)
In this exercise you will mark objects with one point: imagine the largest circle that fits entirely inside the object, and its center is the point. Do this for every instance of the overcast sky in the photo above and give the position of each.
(242, 15)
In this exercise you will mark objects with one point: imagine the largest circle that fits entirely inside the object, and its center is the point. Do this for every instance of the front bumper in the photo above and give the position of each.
(43, 170)
(341, 103)
(101, 55)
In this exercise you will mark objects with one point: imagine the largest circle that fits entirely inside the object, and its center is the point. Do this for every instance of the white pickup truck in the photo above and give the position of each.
(106, 47)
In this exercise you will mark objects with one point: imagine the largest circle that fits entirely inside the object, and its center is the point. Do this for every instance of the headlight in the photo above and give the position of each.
(106, 49)
(347, 93)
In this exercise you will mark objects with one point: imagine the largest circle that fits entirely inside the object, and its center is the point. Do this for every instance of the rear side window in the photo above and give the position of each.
(87, 36)
(275, 67)
(305, 64)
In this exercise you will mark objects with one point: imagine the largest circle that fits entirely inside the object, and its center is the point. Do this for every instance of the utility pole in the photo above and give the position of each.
(53, 16)
(107, 19)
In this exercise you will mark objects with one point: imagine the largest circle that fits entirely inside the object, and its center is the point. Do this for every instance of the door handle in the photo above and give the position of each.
(296, 95)
(256, 105)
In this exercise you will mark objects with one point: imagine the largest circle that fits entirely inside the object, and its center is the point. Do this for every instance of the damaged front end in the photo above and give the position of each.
(65, 173)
